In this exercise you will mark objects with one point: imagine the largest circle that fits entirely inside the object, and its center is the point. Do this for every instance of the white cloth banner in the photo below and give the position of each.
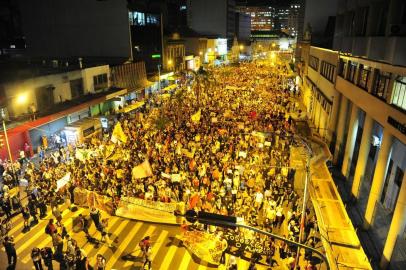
(63, 181)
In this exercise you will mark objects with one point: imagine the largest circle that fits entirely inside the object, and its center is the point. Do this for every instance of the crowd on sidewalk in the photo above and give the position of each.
(229, 141)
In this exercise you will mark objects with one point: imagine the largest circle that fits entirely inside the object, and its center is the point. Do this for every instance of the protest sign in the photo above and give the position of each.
(143, 170)
(118, 134)
(63, 181)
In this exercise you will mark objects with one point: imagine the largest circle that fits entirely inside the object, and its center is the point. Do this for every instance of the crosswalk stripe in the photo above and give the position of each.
(47, 241)
(16, 227)
(169, 256)
(185, 260)
(88, 248)
(158, 244)
(113, 233)
(242, 264)
(113, 259)
(137, 253)
(41, 224)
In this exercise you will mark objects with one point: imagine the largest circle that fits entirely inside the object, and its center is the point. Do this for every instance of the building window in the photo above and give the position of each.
(341, 68)
(381, 84)
(327, 71)
(363, 76)
(399, 93)
(76, 88)
(136, 18)
(100, 82)
(352, 67)
(314, 62)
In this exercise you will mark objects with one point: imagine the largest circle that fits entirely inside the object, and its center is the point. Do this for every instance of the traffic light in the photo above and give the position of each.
(1, 140)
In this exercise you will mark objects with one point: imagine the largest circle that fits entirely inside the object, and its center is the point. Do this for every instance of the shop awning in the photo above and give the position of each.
(116, 94)
(132, 107)
(169, 88)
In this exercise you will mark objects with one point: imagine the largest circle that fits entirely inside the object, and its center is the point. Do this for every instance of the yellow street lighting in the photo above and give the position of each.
(200, 53)
(170, 62)
(241, 47)
(21, 98)
(273, 45)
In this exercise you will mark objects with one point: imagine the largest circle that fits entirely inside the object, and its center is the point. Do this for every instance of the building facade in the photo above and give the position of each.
(359, 107)
(373, 29)
(294, 19)
(212, 17)
(261, 17)
(76, 28)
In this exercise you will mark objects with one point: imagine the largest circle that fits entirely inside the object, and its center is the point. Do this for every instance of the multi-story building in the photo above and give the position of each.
(76, 28)
(242, 26)
(281, 18)
(375, 29)
(294, 19)
(61, 93)
(212, 17)
(358, 105)
(261, 17)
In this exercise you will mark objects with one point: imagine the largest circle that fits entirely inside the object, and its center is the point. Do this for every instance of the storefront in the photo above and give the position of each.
(81, 130)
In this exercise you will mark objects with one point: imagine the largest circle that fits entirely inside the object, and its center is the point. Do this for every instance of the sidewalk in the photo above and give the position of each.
(339, 237)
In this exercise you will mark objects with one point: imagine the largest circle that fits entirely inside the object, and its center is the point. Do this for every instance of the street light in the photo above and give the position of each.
(241, 47)
(233, 222)
(21, 98)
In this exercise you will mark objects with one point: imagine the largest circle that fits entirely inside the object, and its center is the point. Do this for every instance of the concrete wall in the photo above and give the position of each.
(376, 108)
(89, 73)
(323, 120)
(208, 16)
(58, 28)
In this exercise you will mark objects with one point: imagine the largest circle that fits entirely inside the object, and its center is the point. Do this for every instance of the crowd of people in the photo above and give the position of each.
(228, 137)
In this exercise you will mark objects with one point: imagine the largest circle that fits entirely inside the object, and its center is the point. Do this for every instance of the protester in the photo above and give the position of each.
(36, 258)
(225, 147)
(8, 244)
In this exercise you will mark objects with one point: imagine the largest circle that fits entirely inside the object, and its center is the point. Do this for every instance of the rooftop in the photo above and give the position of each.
(21, 69)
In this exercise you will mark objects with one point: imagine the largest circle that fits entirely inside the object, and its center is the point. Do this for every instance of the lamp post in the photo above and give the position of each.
(159, 78)
(305, 195)
(233, 222)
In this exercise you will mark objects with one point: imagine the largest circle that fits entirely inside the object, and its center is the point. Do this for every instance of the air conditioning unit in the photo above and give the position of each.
(398, 29)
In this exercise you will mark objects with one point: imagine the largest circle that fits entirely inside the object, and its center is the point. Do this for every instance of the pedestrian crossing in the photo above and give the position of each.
(125, 235)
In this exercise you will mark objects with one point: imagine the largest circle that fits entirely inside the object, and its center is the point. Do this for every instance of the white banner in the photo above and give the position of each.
(63, 181)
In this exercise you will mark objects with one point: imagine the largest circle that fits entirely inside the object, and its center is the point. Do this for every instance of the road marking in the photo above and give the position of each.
(185, 260)
(46, 241)
(114, 258)
(137, 253)
(89, 247)
(169, 256)
(158, 244)
(40, 224)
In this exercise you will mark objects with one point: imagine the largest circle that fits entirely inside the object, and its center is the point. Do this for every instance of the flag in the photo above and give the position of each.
(143, 170)
(196, 117)
(118, 134)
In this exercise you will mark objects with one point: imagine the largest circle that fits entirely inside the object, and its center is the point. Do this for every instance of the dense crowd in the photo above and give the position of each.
(233, 158)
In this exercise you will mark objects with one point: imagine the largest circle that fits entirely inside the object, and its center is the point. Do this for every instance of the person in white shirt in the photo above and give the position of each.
(258, 198)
